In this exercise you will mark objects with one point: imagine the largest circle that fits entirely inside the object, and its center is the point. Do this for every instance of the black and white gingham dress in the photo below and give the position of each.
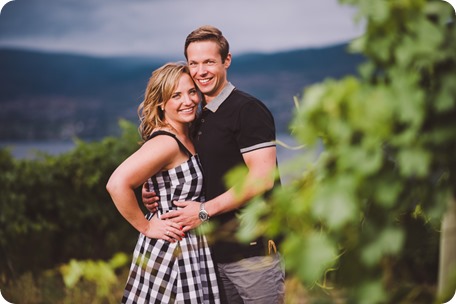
(180, 272)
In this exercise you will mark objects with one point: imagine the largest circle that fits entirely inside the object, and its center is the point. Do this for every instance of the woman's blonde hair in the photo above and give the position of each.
(159, 90)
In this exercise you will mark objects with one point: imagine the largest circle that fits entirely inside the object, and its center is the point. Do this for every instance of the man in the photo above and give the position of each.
(234, 129)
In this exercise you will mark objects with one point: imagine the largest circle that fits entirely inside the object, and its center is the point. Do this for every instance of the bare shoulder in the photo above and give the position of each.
(161, 144)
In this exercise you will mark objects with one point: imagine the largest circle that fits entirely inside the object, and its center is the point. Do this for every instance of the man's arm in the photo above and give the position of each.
(149, 198)
(261, 165)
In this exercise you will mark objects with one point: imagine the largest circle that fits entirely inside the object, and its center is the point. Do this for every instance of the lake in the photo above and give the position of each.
(27, 150)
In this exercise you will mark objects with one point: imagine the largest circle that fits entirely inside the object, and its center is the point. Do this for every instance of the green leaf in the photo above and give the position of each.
(387, 191)
(389, 241)
(249, 225)
(408, 98)
(309, 257)
(120, 259)
(235, 179)
(378, 11)
(335, 203)
(371, 292)
(360, 160)
(414, 161)
(72, 273)
(446, 100)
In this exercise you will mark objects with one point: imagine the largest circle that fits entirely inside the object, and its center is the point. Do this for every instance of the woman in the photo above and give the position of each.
(168, 266)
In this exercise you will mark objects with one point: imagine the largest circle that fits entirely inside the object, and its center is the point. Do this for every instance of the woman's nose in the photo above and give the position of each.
(187, 99)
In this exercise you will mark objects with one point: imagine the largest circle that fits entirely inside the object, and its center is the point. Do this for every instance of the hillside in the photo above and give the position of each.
(47, 96)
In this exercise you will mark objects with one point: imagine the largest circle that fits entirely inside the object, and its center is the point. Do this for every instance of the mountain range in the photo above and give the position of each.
(54, 96)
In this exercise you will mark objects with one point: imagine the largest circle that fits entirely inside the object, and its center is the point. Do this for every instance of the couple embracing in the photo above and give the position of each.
(184, 141)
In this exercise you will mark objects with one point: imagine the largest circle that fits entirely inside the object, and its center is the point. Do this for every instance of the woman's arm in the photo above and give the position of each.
(153, 156)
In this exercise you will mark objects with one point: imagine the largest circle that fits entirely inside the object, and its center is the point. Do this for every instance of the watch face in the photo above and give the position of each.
(203, 216)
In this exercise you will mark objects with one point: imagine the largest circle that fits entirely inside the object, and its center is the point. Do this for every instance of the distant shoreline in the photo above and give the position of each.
(28, 149)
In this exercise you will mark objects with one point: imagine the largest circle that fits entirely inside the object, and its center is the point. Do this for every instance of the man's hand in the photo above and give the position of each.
(149, 198)
(187, 217)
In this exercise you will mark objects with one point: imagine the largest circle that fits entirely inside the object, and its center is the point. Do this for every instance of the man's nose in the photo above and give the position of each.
(201, 69)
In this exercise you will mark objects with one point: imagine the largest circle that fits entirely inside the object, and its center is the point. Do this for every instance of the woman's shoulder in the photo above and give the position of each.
(161, 132)
(165, 147)
(161, 142)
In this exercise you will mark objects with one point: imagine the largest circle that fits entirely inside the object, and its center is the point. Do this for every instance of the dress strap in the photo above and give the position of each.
(181, 145)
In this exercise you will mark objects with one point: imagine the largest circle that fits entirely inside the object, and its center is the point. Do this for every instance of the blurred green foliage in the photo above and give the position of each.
(79, 281)
(56, 208)
(99, 273)
(363, 214)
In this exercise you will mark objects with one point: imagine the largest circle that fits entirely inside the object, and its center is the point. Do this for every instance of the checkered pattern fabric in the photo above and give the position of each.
(180, 272)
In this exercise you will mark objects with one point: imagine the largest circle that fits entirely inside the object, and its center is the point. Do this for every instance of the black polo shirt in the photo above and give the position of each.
(230, 125)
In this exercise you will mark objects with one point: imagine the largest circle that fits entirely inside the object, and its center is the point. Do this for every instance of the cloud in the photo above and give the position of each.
(159, 27)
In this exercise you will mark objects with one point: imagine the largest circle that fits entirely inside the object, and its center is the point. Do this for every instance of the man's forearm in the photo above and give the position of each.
(236, 197)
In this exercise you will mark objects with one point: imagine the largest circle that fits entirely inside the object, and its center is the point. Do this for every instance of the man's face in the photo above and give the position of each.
(206, 67)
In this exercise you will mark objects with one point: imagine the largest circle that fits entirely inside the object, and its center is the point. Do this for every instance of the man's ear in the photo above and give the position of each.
(227, 62)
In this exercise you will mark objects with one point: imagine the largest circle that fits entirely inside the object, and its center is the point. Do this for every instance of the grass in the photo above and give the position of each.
(49, 287)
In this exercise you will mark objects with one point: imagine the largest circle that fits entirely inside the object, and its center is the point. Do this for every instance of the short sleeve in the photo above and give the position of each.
(256, 128)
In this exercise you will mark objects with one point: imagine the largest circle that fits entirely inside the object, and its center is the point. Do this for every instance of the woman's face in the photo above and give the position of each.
(182, 106)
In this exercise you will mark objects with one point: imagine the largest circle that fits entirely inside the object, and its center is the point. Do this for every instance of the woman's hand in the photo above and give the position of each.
(186, 215)
(164, 229)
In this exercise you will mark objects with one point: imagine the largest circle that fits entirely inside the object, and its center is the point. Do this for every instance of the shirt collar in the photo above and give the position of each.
(220, 98)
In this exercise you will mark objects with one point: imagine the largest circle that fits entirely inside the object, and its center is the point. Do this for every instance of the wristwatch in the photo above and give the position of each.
(203, 215)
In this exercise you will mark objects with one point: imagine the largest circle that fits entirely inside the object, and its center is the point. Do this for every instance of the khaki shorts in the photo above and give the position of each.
(254, 280)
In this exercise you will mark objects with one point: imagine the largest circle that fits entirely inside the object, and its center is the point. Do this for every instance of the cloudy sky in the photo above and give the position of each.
(159, 27)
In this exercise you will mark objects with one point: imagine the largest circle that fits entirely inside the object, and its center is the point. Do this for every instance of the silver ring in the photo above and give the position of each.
(167, 232)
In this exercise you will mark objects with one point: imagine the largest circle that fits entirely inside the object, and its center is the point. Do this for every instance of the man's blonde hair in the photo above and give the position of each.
(209, 33)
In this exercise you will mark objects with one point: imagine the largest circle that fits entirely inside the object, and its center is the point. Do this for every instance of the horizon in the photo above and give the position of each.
(152, 56)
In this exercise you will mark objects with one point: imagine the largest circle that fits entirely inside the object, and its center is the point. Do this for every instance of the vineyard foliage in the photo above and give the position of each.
(364, 214)
(56, 208)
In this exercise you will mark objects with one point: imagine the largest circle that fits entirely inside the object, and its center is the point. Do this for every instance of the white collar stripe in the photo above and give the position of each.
(258, 146)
